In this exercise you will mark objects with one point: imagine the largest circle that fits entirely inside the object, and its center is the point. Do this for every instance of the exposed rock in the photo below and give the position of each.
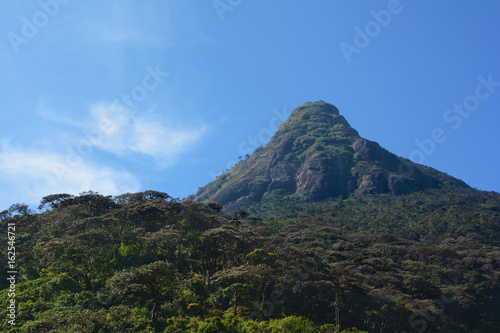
(369, 149)
(370, 184)
(323, 176)
(316, 155)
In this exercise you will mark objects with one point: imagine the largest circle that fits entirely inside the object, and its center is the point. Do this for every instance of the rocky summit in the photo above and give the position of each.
(316, 155)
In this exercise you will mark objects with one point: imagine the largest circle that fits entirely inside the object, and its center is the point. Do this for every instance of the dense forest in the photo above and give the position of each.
(427, 261)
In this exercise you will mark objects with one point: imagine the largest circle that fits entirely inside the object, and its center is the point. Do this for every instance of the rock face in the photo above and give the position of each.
(316, 155)
(324, 175)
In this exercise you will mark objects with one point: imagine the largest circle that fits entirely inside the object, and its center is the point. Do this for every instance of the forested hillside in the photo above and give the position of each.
(145, 262)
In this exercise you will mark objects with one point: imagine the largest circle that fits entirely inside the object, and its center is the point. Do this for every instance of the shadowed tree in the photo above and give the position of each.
(217, 249)
(165, 240)
(141, 197)
(85, 257)
(156, 281)
(5, 214)
(258, 273)
(54, 200)
(215, 206)
(92, 203)
(240, 290)
(241, 214)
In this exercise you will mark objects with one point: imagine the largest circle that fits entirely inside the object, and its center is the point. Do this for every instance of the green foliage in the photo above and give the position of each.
(147, 263)
(292, 324)
(215, 325)
(259, 256)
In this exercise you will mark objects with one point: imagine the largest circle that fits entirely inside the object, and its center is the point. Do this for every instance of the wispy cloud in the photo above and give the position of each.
(28, 175)
(48, 113)
(107, 34)
(126, 133)
(113, 120)
(162, 141)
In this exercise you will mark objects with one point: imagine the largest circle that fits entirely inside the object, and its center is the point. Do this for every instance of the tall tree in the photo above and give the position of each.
(157, 281)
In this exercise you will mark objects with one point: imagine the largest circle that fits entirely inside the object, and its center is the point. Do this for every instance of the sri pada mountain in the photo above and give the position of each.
(316, 155)
(321, 230)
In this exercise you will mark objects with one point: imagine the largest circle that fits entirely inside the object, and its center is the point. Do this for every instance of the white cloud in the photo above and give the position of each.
(112, 122)
(112, 127)
(107, 34)
(67, 166)
(126, 133)
(164, 143)
(27, 176)
(47, 113)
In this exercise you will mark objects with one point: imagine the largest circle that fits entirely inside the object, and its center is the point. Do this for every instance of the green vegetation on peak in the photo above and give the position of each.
(317, 108)
(316, 155)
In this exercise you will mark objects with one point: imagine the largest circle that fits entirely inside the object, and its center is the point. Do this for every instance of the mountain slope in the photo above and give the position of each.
(316, 155)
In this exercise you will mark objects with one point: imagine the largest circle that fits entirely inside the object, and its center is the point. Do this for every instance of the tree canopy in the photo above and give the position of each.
(148, 262)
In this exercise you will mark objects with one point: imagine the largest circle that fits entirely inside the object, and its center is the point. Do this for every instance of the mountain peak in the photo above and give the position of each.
(311, 117)
(316, 155)
(318, 106)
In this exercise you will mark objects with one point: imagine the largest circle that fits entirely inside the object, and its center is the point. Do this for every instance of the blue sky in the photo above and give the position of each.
(125, 96)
